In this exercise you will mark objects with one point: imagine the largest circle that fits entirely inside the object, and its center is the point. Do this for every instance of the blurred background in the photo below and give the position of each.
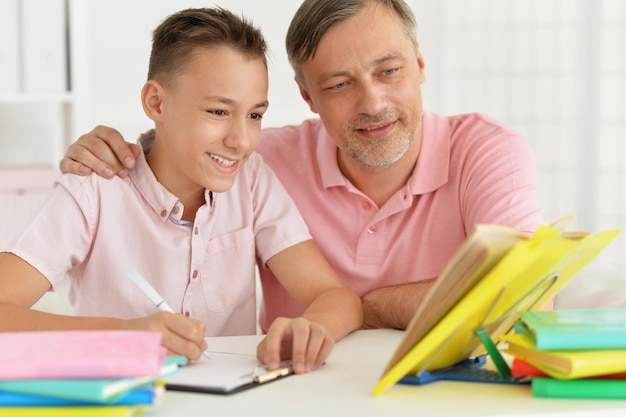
(555, 70)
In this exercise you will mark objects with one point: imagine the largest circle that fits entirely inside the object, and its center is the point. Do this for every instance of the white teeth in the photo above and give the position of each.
(222, 161)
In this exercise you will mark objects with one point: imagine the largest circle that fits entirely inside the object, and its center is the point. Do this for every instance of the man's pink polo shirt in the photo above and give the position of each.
(94, 230)
(470, 170)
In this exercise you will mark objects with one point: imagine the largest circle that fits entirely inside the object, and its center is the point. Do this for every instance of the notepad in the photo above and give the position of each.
(80, 354)
(224, 373)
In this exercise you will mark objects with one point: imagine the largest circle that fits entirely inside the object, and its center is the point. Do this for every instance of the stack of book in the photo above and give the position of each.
(94, 373)
(571, 353)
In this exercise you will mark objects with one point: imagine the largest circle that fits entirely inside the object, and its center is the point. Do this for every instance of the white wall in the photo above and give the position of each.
(555, 70)
(120, 36)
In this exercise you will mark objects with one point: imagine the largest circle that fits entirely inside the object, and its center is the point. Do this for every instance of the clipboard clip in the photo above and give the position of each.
(273, 375)
(260, 376)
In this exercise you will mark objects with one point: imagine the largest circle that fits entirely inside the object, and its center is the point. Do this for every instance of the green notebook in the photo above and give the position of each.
(91, 390)
(579, 388)
(582, 329)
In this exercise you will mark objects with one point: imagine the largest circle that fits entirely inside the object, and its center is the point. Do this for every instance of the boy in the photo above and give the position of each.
(192, 218)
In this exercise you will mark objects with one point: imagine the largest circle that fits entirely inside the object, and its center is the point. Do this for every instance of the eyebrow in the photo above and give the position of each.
(231, 102)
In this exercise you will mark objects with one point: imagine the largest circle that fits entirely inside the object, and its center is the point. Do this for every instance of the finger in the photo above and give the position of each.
(96, 151)
(260, 351)
(324, 353)
(73, 167)
(184, 335)
(317, 337)
(115, 141)
(301, 338)
(94, 154)
(272, 343)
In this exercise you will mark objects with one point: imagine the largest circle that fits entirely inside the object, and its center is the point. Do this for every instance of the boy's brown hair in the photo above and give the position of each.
(182, 33)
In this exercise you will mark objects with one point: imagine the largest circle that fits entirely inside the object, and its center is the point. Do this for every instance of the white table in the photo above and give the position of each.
(343, 388)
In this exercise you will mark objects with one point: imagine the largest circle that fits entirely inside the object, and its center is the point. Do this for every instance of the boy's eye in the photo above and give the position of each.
(256, 116)
(218, 112)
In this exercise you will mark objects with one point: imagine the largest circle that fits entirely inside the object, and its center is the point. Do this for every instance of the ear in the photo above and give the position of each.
(152, 99)
(305, 95)
(420, 64)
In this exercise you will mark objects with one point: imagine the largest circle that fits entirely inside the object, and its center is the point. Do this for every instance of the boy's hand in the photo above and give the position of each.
(180, 335)
(104, 151)
(307, 343)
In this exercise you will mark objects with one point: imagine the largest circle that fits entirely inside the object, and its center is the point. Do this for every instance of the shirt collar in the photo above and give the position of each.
(327, 161)
(433, 162)
(156, 195)
(431, 169)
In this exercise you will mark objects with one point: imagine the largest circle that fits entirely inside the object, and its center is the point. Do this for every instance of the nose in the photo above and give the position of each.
(371, 98)
(238, 136)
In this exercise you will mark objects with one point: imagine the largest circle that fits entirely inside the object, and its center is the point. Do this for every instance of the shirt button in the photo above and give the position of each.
(195, 274)
(195, 230)
(163, 213)
(186, 314)
(175, 210)
(371, 229)
(366, 205)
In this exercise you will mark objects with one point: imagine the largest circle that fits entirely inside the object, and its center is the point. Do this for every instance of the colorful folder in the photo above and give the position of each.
(530, 273)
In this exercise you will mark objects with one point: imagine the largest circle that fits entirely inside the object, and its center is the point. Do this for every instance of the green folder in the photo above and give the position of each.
(578, 388)
(93, 390)
(577, 329)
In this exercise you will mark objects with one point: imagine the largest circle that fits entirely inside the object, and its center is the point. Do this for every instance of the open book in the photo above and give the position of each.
(496, 273)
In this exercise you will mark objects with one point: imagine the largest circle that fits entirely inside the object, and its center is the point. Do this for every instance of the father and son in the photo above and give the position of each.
(350, 217)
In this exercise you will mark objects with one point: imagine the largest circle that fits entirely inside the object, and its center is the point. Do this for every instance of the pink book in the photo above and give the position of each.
(80, 354)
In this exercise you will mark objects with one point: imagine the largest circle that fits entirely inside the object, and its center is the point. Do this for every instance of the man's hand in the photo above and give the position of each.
(104, 151)
(307, 343)
(180, 335)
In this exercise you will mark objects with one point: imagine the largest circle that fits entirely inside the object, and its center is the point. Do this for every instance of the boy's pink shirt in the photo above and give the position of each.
(94, 230)
(470, 170)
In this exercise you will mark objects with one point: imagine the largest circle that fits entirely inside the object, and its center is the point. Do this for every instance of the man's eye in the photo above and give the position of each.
(337, 86)
(390, 71)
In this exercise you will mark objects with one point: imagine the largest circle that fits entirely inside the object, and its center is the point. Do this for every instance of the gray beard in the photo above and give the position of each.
(378, 156)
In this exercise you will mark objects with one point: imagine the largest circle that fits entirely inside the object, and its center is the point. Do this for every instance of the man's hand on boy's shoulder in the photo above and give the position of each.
(101, 151)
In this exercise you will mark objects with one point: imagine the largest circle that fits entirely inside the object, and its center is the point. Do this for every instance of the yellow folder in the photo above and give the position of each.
(567, 364)
(527, 275)
(75, 411)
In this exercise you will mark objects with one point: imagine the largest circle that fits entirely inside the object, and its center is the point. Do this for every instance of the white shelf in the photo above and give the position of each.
(39, 116)
(30, 98)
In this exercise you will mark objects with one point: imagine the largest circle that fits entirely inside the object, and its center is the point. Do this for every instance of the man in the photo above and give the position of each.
(388, 190)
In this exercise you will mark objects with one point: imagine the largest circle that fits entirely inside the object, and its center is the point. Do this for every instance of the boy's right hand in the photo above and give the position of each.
(180, 335)
(104, 151)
